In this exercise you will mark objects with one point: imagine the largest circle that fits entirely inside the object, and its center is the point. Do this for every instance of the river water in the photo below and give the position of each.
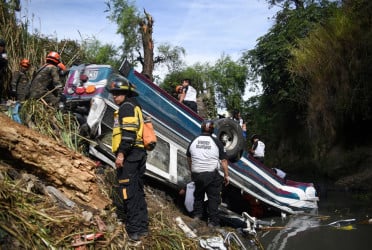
(343, 221)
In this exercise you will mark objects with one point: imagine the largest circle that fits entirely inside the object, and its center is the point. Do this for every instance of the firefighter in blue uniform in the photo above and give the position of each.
(127, 144)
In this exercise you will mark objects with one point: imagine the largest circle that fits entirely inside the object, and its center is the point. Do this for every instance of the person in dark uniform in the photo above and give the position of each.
(20, 81)
(131, 156)
(46, 82)
(205, 155)
(3, 67)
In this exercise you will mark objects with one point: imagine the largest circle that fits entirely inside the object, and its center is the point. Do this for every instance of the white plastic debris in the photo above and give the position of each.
(213, 243)
(188, 232)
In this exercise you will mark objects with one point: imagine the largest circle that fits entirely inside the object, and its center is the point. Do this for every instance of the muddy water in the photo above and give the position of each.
(341, 222)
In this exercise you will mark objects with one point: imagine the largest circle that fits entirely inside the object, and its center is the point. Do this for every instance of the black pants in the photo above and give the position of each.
(260, 159)
(2, 88)
(131, 190)
(191, 105)
(209, 183)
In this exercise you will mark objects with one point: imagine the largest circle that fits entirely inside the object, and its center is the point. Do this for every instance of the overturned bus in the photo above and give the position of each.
(87, 95)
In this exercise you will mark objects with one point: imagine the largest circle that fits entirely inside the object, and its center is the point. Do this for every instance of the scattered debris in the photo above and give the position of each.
(212, 243)
(231, 236)
(59, 197)
(188, 232)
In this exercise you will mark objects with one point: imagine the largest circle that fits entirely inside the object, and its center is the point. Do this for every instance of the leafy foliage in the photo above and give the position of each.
(199, 76)
(126, 16)
(332, 61)
(220, 86)
(95, 52)
(229, 79)
(138, 46)
(282, 101)
(172, 57)
(313, 64)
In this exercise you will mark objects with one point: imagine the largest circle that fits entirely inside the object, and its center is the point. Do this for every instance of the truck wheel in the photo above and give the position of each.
(230, 134)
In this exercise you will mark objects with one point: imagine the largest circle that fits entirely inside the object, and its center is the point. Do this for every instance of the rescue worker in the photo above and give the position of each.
(258, 148)
(179, 89)
(46, 82)
(63, 72)
(61, 69)
(3, 67)
(188, 95)
(130, 162)
(238, 118)
(205, 155)
(20, 81)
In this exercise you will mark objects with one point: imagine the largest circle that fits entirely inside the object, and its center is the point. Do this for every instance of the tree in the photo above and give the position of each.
(95, 52)
(199, 74)
(33, 46)
(282, 104)
(126, 16)
(229, 79)
(219, 86)
(136, 29)
(8, 24)
(298, 4)
(334, 63)
(146, 29)
(172, 57)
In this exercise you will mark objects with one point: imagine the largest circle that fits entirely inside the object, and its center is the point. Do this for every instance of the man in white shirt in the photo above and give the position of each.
(188, 95)
(205, 156)
(258, 148)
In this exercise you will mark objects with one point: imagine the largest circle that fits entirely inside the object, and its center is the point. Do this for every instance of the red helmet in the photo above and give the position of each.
(53, 57)
(25, 63)
(207, 126)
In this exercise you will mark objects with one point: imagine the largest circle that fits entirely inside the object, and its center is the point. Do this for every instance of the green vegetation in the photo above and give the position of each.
(313, 66)
(314, 113)
(30, 219)
(63, 127)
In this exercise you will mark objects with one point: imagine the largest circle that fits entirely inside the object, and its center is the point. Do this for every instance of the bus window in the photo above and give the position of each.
(159, 157)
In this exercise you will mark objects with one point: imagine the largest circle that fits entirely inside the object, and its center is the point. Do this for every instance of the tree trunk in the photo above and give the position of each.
(70, 172)
(148, 45)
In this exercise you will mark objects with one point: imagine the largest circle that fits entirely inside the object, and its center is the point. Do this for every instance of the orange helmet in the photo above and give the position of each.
(25, 63)
(53, 57)
(179, 89)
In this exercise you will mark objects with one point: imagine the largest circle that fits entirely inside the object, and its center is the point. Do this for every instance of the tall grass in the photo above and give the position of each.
(21, 43)
(61, 126)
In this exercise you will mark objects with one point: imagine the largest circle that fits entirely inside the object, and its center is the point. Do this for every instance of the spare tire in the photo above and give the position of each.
(230, 134)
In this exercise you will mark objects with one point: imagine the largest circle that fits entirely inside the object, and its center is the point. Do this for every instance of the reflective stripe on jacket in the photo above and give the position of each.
(127, 132)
